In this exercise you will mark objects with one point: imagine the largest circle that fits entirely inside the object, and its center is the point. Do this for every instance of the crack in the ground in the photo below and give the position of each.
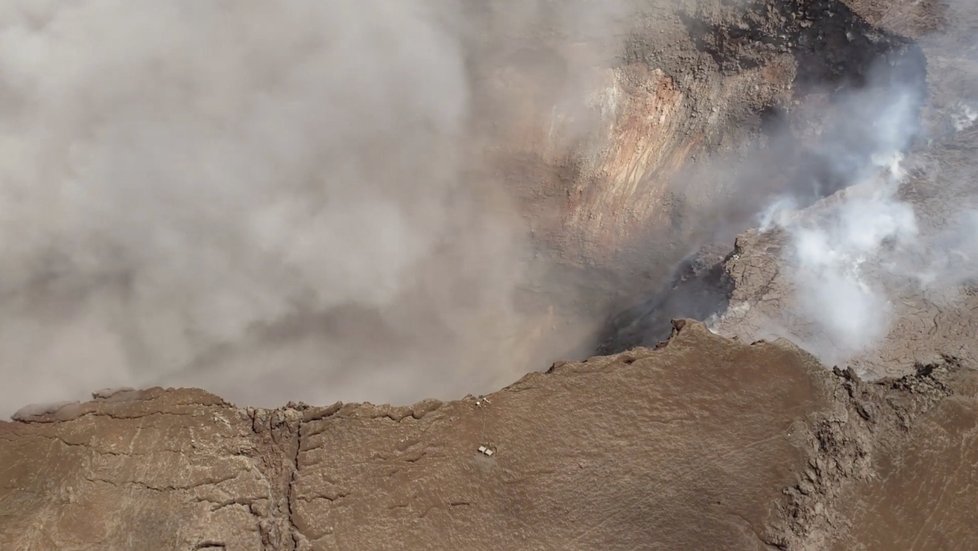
(163, 488)
(280, 442)
(290, 497)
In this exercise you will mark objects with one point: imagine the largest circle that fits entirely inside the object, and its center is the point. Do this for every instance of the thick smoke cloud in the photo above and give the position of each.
(839, 247)
(287, 202)
(855, 178)
(272, 201)
(835, 261)
(852, 255)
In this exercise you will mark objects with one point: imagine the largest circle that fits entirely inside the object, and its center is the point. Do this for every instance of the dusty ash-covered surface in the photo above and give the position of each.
(704, 443)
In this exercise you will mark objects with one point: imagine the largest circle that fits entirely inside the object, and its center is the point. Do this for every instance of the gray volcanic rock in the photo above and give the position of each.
(703, 443)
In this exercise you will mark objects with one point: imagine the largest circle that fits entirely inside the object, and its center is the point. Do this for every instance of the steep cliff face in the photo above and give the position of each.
(703, 442)
(916, 280)
(623, 177)
(624, 161)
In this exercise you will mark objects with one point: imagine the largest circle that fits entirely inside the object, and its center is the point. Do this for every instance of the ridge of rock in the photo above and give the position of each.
(701, 440)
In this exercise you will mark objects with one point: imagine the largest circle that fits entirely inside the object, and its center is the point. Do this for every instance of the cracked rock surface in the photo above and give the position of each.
(151, 469)
(703, 443)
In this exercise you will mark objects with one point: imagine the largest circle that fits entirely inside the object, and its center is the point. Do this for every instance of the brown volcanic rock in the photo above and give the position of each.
(925, 491)
(663, 447)
(152, 469)
(703, 443)
(685, 447)
(858, 490)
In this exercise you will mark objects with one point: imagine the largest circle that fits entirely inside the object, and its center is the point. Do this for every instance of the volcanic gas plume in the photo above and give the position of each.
(386, 201)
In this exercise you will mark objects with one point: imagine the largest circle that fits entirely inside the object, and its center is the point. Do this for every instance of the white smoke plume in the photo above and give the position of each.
(271, 200)
(850, 253)
(836, 259)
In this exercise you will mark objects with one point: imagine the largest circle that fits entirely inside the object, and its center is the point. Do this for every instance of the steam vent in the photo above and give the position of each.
(639, 274)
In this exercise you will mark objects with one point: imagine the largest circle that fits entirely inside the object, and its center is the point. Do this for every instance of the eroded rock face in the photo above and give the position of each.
(702, 443)
(624, 176)
(757, 289)
(150, 469)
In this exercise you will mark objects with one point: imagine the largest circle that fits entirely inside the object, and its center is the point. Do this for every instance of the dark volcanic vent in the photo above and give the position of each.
(700, 289)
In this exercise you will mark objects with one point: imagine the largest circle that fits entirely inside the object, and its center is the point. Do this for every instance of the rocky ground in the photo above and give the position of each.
(702, 443)
(709, 440)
